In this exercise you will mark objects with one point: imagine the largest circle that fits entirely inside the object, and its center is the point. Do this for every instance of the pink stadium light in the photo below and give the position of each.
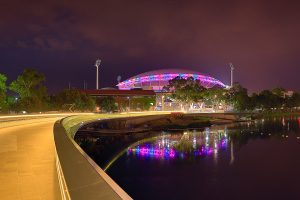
(159, 78)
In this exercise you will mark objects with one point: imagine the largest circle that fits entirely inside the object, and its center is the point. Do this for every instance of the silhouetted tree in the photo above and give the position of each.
(31, 90)
(238, 97)
(268, 100)
(29, 84)
(293, 101)
(72, 99)
(108, 104)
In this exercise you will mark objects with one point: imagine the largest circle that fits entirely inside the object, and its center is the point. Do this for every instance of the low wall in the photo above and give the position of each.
(80, 177)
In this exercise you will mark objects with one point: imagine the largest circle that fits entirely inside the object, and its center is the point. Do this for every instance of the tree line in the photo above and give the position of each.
(28, 93)
(236, 98)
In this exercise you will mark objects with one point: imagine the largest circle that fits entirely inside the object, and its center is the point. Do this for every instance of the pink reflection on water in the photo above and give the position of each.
(170, 148)
(152, 152)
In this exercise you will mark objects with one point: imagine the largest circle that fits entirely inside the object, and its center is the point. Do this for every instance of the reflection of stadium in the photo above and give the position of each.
(182, 146)
(157, 79)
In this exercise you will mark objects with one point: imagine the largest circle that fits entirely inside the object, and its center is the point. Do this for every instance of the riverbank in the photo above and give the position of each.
(277, 114)
(173, 121)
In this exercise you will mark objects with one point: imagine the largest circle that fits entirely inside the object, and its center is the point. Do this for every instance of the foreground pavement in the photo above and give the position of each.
(27, 161)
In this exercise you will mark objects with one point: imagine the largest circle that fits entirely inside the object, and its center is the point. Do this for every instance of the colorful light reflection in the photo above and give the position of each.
(182, 146)
(152, 152)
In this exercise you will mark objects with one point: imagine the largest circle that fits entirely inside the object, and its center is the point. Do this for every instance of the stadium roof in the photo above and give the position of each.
(168, 71)
(158, 78)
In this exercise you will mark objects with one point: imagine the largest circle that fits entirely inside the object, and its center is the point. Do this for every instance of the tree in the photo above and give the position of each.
(3, 103)
(279, 97)
(185, 90)
(238, 97)
(29, 84)
(70, 99)
(108, 104)
(279, 91)
(293, 101)
(29, 104)
(32, 93)
(268, 100)
(215, 96)
(142, 103)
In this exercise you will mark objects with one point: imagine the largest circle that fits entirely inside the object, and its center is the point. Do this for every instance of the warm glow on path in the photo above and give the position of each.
(27, 161)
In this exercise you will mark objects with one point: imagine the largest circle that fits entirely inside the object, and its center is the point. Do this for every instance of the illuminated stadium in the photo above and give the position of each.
(157, 79)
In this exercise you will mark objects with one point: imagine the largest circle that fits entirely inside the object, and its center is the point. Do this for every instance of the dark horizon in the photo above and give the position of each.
(63, 40)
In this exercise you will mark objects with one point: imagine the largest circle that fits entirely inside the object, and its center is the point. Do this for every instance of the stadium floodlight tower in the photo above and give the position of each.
(231, 77)
(97, 64)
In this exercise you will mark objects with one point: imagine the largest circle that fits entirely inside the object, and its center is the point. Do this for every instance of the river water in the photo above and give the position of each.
(253, 160)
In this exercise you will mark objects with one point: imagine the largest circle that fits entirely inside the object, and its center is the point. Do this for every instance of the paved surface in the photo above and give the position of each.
(27, 161)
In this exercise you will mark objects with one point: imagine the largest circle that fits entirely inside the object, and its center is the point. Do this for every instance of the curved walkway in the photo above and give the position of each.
(27, 161)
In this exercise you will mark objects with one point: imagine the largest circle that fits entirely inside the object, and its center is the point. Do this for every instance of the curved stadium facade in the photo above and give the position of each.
(157, 79)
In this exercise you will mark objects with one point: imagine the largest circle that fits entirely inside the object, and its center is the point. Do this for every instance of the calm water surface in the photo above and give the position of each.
(255, 160)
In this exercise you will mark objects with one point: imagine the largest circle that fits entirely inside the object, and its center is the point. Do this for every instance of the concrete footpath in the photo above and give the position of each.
(27, 161)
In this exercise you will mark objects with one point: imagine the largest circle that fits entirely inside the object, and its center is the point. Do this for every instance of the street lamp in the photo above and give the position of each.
(97, 64)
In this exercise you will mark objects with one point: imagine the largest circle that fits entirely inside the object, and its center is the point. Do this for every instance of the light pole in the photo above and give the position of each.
(128, 103)
(162, 103)
(231, 70)
(97, 64)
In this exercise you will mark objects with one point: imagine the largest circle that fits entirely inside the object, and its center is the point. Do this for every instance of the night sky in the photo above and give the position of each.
(63, 40)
